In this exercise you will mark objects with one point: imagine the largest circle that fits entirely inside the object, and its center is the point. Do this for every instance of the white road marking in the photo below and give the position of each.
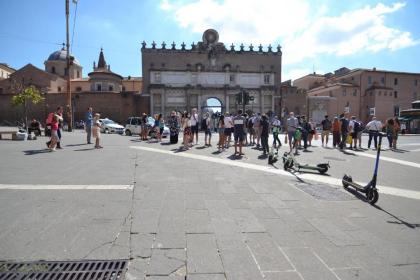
(267, 169)
(409, 144)
(63, 187)
(394, 160)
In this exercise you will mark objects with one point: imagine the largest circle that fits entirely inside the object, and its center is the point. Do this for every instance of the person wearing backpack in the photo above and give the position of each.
(354, 129)
(326, 129)
(344, 130)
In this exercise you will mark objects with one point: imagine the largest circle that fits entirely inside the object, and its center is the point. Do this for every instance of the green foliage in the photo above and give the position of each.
(29, 93)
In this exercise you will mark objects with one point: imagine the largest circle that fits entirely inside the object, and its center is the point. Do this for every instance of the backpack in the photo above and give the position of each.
(358, 126)
(326, 124)
(204, 124)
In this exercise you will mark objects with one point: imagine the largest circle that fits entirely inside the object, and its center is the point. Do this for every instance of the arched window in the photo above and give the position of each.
(53, 70)
(78, 74)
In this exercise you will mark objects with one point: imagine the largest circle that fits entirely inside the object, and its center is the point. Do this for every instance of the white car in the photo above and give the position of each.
(109, 126)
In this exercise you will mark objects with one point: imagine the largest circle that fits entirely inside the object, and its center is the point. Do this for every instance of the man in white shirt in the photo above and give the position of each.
(228, 128)
(373, 127)
(194, 125)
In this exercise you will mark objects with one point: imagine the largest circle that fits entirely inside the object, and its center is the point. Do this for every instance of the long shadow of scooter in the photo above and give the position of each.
(398, 220)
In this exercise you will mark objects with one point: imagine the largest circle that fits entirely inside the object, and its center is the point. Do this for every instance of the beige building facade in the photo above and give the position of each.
(5, 71)
(181, 79)
(360, 92)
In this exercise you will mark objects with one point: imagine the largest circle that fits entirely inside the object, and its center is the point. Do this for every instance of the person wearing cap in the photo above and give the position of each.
(373, 127)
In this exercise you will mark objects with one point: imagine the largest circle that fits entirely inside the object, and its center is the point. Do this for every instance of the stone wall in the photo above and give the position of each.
(115, 106)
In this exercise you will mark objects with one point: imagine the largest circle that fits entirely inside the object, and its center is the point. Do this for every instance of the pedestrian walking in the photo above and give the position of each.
(239, 123)
(194, 125)
(276, 128)
(173, 128)
(257, 128)
(88, 125)
(306, 129)
(228, 129)
(186, 125)
(344, 130)
(265, 128)
(144, 130)
(291, 126)
(206, 126)
(355, 127)
(373, 127)
(397, 127)
(326, 128)
(59, 116)
(390, 132)
(96, 130)
(222, 137)
(336, 131)
(312, 130)
(250, 125)
(54, 134)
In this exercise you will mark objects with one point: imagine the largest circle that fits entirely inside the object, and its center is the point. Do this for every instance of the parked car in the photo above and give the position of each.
(132, 126)
(109, 126)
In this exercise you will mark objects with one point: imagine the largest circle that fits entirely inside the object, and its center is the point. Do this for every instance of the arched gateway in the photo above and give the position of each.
(182, 78)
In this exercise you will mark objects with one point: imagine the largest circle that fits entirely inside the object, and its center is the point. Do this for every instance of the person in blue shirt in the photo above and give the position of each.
(88, 124)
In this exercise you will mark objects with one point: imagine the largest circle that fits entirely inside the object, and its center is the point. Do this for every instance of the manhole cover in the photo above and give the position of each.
(69, 270)
(335, 158)
(324, 192)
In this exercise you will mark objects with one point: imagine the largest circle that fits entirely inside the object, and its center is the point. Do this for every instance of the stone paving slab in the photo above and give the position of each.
(202, 254)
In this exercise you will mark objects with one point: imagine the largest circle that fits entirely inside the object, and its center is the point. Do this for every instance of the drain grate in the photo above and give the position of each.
(324, 192)
(69, 270)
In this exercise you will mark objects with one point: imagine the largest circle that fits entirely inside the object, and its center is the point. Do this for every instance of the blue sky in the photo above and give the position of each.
(320, 35)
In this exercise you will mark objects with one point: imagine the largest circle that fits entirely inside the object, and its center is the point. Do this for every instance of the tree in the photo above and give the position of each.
(25, 95)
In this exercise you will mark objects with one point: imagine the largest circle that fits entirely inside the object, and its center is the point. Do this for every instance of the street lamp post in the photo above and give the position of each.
(70, 117)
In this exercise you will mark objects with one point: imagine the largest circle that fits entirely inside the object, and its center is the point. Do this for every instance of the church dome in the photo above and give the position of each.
(61, 56)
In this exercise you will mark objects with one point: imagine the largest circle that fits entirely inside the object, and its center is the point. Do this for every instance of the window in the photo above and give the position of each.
(396, 110)
(355, 92)
(267, 79)
(383, 80)
(379, 93)
(59, 89)
(53, 70)
(395, 94)
(414, 95)
(158, 77)
(123, 88)
(352, 78)
(111, 88)
(98, 87)
(232, 78)
(344, 92)
(415, 82)
(78, 74)
(1, 90)
(369, 80)
(78, 89)
(395, 81)
(66, 71)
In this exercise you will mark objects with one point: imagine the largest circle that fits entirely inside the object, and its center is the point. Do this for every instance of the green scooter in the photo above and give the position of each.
(290, 162)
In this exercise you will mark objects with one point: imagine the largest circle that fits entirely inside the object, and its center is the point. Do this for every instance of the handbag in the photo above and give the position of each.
(349, 139)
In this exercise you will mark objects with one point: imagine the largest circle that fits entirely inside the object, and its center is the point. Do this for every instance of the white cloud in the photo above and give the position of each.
(305, 31)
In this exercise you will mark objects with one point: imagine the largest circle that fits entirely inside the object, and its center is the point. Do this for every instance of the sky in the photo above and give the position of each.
(316, 36)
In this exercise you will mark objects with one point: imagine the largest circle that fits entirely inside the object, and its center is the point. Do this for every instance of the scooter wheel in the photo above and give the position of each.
(322, 170)
(372, 196)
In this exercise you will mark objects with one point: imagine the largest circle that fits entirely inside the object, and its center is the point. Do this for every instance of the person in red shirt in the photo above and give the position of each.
(54, 128)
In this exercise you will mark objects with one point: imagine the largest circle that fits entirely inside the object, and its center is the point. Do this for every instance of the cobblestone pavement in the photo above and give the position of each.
(204, 215)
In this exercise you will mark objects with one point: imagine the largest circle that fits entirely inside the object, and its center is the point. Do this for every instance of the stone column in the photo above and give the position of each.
(261, 101)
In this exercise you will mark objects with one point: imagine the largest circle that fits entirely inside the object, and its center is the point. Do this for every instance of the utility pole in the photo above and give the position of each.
(70, 113)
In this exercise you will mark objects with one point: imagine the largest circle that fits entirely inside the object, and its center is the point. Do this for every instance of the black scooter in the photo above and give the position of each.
(370, 189)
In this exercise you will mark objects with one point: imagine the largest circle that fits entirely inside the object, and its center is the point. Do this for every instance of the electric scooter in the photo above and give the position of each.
(273, 155)
(370, 189)
(289, 162)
